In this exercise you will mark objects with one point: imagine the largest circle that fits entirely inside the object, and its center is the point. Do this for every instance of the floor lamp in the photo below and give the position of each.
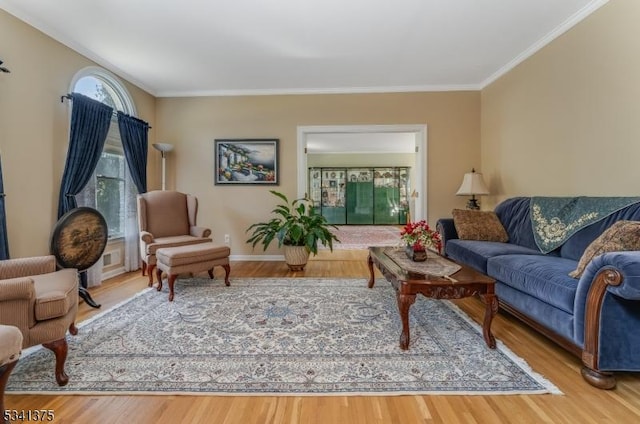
(164, 148)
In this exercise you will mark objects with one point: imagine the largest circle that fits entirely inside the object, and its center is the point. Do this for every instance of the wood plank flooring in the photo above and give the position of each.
(580, 403)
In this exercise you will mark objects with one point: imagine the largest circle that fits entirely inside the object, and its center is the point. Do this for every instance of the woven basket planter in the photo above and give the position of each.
(296, 257)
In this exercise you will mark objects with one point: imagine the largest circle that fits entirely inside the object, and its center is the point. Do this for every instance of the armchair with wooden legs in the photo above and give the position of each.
(167, 219)
(10, 348)
(42, 303)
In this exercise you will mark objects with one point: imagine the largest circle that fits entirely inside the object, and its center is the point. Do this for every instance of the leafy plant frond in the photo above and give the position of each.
(295, 223)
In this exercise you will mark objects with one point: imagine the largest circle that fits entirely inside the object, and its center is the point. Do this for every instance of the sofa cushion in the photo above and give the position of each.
(621, 236)
(174, 241)
(541, 276)
(56, 292)
(516, 218)
(193, 253)
(478, 225)
(475, 253)
(578, 243)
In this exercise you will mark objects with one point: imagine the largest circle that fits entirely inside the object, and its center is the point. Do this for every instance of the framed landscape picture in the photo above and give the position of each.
(246, 161)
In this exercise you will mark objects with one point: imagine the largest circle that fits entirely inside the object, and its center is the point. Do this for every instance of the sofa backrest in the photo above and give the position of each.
(577, 243)
(515, 216)
(516, 219)
(164, 213)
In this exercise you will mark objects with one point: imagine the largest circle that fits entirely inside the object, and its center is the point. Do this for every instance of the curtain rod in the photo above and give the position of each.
(70, 97)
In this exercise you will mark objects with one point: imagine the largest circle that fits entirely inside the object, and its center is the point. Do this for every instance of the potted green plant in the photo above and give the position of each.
(297, 227)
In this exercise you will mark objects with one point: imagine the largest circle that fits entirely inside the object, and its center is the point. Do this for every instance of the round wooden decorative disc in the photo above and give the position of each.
(79, 238)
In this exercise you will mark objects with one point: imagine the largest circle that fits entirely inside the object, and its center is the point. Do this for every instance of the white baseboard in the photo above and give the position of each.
(240, 258)
(113, 273)
(262, 258)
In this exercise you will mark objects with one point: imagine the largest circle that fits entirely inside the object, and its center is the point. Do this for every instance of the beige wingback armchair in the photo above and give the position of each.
(42, 303)
(167, 219)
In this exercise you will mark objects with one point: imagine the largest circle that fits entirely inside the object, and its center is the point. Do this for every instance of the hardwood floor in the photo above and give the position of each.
(580, 403)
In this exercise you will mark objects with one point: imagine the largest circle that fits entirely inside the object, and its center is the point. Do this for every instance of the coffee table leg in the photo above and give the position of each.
(491, 308)
(371, 278)
(404, 303)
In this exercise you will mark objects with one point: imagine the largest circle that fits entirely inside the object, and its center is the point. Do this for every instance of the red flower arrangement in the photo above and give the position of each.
(420, 236)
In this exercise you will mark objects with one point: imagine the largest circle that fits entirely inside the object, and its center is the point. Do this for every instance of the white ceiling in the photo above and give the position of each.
(209, 47)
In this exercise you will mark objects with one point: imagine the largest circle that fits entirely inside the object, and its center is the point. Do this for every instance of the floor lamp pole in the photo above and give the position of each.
(164, 171)
(163, 148)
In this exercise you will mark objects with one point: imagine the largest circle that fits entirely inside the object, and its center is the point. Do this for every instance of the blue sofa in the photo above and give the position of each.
(596, 317)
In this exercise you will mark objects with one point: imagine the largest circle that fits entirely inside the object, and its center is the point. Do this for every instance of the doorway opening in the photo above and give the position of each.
(370, 146)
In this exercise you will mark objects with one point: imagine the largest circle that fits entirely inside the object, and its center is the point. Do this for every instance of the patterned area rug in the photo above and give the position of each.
(278, 336)
(362, 236)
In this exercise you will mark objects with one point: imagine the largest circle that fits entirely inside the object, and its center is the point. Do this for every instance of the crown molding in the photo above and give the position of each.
(557, 32)
(303, 91)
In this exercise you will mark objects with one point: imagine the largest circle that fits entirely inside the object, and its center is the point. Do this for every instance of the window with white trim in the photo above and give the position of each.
(107, 190)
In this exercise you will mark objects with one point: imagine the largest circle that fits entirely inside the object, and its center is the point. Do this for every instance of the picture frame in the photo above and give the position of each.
(250, 161)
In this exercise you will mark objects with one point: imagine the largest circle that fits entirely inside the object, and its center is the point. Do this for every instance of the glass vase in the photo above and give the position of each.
(416, 255)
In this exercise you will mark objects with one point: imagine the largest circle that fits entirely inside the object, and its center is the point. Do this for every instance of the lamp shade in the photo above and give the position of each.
(472, 184)
(163, 147)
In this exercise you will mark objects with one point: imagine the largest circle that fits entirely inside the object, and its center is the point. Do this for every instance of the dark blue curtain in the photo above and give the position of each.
(4, 242)
(90, 121)
(134, 135)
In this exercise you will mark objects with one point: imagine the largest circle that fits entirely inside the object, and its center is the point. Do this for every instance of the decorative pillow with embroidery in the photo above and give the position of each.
(479, 225)
(621, 236)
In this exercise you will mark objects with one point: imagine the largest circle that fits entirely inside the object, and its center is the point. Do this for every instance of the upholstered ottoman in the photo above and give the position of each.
(191, 259)
(10, 348)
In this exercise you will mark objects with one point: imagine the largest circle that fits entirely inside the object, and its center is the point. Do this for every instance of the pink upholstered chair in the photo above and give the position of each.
(167, 219)
(42, 303)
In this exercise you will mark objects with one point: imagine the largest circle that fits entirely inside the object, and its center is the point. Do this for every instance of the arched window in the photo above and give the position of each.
(110, 188)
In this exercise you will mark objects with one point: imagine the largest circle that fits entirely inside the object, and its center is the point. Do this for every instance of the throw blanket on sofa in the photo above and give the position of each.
(555, 219)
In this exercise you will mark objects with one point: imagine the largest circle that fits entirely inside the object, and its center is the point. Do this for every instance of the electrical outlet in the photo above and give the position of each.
(227, 239)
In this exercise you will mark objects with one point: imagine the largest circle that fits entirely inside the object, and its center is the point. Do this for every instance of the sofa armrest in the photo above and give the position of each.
(627, 264)
(447, 231)
(607, 291)
(146, 237)
(21, 288)
(200, 231)
(615, 273)
(22, 267)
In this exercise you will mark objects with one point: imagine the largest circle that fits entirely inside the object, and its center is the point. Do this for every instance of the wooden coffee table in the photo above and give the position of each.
(464, 283)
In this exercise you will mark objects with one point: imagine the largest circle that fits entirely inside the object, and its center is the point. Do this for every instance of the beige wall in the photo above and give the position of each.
(564, 122)
(34, 130)
(567, 120)
(192, 124)
(34, 139)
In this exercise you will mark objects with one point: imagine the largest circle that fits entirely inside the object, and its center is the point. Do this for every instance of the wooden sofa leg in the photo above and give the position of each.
(171, 279)
(227, 270)
(5, 370)
(59, 348)
(150, 269)
(159, 277)
(601, 380)
(73, 329)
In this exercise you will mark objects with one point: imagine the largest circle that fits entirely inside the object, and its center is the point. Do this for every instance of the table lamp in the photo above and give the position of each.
(472, 185)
